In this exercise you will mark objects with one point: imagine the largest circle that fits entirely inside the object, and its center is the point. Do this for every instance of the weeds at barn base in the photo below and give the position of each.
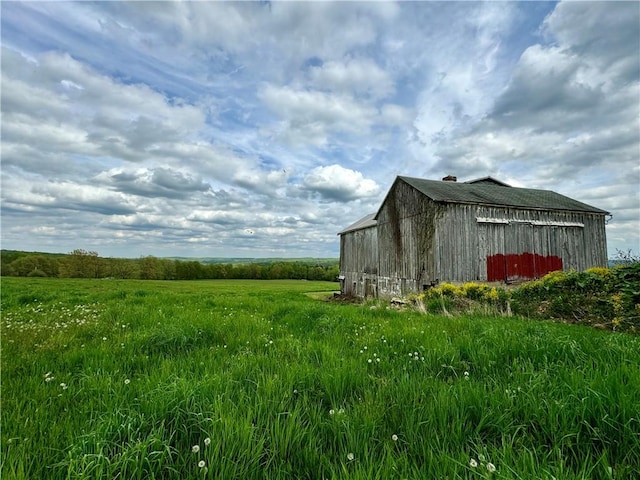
(599, 297)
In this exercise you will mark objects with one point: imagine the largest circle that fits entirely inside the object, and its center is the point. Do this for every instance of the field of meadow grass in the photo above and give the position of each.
(106, 379)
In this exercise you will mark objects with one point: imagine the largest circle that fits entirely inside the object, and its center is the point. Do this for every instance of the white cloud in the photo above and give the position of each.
(339, 184)
(311, 116)
(362, 76)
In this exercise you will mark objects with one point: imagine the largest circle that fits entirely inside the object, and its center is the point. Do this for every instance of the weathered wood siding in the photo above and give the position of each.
(463, 244)
(359, 262)
(406, 227)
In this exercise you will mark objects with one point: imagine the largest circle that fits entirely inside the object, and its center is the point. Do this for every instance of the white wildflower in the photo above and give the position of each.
(473, 463)
(491, 467)
(195, 448)
(207, 441)
(394, 437)
(201, 463)
(350, 457)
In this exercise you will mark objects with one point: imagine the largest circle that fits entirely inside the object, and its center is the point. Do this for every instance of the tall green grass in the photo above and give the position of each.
(286, 386)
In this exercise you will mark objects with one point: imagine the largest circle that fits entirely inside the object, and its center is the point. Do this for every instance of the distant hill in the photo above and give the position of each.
(8, 256)
(260, 261)
(11, 255)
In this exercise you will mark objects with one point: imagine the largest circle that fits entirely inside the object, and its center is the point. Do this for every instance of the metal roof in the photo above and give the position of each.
(493, 194)
(488, 180)
(364, 222)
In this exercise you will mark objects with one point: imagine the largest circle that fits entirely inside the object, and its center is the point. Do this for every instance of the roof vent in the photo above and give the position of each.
(450, 178)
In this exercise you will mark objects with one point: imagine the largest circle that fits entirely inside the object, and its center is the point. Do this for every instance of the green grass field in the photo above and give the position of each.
(106, 379)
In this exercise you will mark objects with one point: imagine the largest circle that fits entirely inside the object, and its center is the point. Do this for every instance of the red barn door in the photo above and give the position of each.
(519, 261)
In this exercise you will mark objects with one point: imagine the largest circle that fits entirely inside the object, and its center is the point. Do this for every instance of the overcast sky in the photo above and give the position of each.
(263, 129)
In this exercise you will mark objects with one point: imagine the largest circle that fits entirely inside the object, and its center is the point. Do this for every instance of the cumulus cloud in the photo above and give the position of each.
(311, 116)
(362, 76)
(103, 118)
(44, 196)
(341, 184)
(157, 182)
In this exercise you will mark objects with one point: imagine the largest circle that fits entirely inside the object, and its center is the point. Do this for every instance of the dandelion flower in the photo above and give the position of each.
(195, 448)
(394, 437)
(350, 457)
(332, 411)
(207, 441)
(473, 463)
(201, 463)
(491, 467)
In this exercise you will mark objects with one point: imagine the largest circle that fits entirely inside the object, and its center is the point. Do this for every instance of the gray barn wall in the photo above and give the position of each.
(359, 262)
(406, 227)
(462, 244)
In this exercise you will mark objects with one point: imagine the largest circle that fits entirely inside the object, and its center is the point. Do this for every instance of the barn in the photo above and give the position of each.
(431, 231)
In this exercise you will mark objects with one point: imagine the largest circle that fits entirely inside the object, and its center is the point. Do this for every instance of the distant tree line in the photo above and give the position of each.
(88, 264)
